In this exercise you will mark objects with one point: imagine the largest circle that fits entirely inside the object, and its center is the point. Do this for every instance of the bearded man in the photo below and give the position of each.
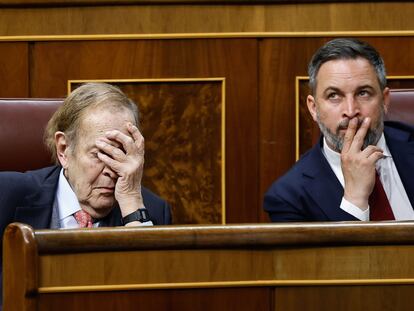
(361, 168)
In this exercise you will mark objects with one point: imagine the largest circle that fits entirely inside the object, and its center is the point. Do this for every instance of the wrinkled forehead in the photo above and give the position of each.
(95, 122)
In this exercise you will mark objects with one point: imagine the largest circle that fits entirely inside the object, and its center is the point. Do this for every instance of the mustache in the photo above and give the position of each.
(343, 125)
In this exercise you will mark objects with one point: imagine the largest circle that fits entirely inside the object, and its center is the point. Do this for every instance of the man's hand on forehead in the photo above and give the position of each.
(110, 142)
(124, 154)
(116, 139)
(117, 144)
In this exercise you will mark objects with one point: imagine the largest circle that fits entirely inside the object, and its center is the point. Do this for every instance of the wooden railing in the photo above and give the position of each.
(243, 267)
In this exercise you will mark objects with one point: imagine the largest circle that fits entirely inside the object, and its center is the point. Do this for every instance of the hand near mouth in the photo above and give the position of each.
(358, 166)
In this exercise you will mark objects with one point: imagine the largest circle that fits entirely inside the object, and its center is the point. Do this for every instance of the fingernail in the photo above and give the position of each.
(366, 120)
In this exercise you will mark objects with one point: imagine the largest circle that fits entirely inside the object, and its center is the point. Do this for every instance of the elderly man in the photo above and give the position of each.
(99, 153)
(360, 169)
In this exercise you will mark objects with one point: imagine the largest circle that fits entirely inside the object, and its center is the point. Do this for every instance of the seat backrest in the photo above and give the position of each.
(22, 124)
(401, 106)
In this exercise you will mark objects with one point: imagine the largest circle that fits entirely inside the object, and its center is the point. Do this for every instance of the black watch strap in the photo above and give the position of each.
(140, 215)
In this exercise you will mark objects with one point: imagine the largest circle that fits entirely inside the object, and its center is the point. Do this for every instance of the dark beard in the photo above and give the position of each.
(336, 141)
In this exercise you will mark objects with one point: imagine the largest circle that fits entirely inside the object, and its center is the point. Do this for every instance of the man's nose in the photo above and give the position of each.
(107, 171)
(351, 107)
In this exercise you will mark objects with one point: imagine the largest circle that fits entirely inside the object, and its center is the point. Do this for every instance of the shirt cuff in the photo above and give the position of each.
(146, 224)
(354, 210)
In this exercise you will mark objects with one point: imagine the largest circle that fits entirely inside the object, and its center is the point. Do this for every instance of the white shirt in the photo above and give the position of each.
(68, 204)
(390, 179)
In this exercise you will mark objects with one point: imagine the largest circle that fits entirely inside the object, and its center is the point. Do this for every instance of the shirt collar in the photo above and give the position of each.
(383, 145)
(67, 201)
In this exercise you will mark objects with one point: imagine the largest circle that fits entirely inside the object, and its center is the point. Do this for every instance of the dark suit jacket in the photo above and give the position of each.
(28, 198)
(310, 191)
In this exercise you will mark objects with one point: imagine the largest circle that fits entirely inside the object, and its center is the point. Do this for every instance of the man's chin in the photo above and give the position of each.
(102, 207)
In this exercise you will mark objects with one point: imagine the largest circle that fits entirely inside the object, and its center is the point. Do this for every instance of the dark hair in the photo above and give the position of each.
(346, 48)
(68, 117)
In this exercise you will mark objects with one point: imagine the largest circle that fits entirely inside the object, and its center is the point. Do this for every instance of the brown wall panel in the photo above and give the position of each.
(242, 299)
(344, 298)
(280, 61)
(212, 18)
(14, 69)
(234, 59)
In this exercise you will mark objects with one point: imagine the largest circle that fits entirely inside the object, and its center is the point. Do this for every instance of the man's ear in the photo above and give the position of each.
(386, 97)
(62, 148)
(310, 101)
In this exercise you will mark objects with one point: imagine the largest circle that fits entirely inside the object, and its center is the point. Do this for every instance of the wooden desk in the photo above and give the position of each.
(297, 266)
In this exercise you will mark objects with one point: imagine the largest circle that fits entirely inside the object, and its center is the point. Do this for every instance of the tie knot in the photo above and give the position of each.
(84, 219)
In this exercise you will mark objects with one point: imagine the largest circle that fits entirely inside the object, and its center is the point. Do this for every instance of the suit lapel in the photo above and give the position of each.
(37, 211)
(322, 185)
(402, 151)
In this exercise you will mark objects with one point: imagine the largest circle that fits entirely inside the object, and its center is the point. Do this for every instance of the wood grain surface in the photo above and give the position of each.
(154, 18)
(321, 266)
(14, 69)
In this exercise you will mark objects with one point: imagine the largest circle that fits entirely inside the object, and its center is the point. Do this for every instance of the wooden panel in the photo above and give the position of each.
(14, 69)
(154, 300)
(310, 266)
(213, 18)
(209, 265)
(169, 268)
(281, 60)
(344, 298)
(52, 3)
(182, 125)
(55, 63)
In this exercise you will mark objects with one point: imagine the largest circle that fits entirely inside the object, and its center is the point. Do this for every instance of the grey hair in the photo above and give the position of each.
(346, 48)
(68, 117)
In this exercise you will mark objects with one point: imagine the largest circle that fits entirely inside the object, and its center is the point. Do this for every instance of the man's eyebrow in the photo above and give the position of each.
(331, 88)
(366, 86)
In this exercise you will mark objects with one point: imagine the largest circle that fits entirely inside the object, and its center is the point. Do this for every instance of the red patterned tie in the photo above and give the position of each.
(379, 206)
(84, 219)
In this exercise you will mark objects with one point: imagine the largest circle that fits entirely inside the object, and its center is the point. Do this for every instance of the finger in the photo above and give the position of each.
(126, 141)
(349, 134)
(358, 140)
(111, 163)
(114, 152)
(371, 149)
(375, 156)
(137, 136)
(112, 142)
(372, 154)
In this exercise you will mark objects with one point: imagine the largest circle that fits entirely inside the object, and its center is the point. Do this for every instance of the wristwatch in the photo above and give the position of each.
(140, 215)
